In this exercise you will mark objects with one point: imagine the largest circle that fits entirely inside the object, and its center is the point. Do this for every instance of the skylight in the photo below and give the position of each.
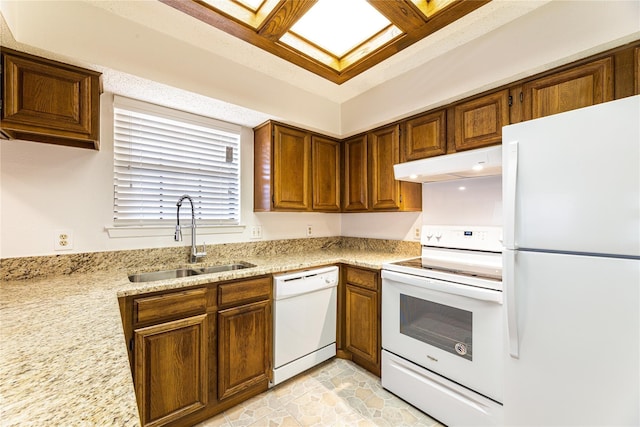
(340, 26)
(335, 39)
(252, 5)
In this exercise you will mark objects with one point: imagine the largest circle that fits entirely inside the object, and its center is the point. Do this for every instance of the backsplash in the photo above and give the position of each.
(136, 260)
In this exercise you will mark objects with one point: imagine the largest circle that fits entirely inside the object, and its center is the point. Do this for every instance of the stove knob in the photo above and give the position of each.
(438, 235)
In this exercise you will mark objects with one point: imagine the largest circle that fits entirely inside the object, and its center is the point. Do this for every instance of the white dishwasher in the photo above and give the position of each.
(304, 320)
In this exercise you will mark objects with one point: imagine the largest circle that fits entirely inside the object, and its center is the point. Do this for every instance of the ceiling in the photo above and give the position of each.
(151, 51)
(336, 40)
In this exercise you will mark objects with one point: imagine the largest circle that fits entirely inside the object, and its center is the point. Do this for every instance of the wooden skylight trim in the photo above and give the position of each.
(264, 29)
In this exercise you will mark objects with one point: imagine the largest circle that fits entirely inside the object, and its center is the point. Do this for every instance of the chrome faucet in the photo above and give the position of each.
(178, 236)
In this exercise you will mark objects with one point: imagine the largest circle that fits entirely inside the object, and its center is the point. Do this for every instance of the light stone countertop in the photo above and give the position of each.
(63, 357)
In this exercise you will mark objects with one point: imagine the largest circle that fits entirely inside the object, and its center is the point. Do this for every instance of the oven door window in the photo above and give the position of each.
(442, 326)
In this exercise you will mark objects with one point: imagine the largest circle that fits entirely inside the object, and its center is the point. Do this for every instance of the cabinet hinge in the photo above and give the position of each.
(510, 100)
(273, 200)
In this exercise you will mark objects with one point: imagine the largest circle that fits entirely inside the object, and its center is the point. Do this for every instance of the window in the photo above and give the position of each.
(161, 154)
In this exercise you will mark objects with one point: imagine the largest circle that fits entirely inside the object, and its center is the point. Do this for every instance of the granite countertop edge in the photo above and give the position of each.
(63, 359)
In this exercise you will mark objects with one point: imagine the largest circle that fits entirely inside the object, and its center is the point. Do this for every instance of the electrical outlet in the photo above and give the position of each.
(256, 232)
(416, 233)
(309, 231)
(63, 240)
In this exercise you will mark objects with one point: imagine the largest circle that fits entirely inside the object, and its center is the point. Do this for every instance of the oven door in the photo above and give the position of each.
(451, 329)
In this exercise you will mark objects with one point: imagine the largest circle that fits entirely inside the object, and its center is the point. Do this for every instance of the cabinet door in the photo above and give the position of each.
(171, 376)
(478, 123)
(578, 87)
(384, 150)
(50, 102)
(244, 347)
(325, 172)
(361, 321)
(291, 169)
(355, 174)
(425, 136)
(636, 71)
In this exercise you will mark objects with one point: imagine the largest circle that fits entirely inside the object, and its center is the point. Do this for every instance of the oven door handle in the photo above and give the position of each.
(473, 292)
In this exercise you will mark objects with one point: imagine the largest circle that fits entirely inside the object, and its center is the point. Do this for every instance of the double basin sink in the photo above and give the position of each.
(153, 276)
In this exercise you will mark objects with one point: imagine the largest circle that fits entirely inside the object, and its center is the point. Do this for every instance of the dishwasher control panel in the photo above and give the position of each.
(301, 282)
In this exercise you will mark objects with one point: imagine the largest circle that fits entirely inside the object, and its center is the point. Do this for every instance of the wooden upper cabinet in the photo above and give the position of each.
(282, 168)
(384, 152)
(387, 194)
(636, 70)
(325, 174)
(48, 101)
(425, 136)
(355, 178)
(478, 122)
(295, 170)
(578, 87)
(291, 169)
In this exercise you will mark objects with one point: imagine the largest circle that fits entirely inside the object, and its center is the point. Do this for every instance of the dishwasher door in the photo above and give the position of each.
(304, 319)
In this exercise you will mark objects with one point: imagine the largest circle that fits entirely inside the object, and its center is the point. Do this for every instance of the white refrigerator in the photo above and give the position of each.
(571, 212)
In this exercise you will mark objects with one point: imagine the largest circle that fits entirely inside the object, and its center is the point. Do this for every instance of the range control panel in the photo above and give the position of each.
(462, 237)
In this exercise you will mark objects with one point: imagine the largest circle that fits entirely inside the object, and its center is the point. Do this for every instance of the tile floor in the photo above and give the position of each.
(336, 393)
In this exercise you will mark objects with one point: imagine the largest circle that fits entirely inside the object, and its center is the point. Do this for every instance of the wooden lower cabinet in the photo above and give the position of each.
(197, 352)
(244, 347)
(360, 317)
(361, 320)
(171, 378)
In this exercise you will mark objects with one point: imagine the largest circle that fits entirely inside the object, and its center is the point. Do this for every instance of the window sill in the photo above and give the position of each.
(168, 230)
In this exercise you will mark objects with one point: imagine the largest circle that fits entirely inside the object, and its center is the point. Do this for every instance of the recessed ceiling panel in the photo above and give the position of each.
(252, 5)
(340, 26)
(335, 39)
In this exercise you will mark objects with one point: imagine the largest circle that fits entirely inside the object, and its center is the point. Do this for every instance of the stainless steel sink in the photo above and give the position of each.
(153, 276)
(223, 267)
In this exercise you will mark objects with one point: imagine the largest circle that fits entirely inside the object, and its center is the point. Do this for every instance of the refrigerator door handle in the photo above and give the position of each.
(509, 259)
(510, 189)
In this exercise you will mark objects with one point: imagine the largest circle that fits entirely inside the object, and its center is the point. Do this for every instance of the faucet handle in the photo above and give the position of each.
(204, 249)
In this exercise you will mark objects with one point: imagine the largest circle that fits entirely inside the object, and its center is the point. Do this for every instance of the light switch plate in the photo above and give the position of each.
(256, 232)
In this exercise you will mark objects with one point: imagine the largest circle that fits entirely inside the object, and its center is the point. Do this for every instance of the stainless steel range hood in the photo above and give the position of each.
(465, 164)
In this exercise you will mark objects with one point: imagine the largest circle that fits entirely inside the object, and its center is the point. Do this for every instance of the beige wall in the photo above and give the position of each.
(45, 188)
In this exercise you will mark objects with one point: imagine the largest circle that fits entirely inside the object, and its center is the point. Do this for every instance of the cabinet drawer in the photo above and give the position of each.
(236, 293)
(364, 278)
(166, 306)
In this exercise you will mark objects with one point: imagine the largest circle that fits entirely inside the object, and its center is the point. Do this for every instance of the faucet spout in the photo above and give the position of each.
(178, 234)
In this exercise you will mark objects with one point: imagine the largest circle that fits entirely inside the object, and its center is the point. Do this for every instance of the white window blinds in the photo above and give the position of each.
(161, 154)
